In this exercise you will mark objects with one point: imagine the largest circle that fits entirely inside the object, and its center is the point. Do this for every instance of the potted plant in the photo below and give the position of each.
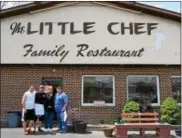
(131, 106)
(79, 126)
(170, 113)
(117, 120)
(108, 130)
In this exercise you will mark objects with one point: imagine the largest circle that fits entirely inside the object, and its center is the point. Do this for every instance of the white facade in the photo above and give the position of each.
(158, 44)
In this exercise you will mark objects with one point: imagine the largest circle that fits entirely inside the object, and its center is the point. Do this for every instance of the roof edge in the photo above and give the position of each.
(151, 10)
(147, 9)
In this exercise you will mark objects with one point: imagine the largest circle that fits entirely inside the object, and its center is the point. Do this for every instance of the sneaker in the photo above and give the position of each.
(40, 129)
(60, 131)
(50, 130)
(45, 130)
(25, 132)
(63, 132)
(33, 130)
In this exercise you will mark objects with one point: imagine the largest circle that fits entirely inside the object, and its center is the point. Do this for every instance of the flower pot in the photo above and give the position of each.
(79, 126)
(70, 128)
(108, 131)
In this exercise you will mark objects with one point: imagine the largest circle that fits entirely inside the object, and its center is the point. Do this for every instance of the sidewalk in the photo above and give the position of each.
(18, 133)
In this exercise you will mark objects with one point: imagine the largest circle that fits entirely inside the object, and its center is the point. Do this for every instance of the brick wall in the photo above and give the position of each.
(15, 80)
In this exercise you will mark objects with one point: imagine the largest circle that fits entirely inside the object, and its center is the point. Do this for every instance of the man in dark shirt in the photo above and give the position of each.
(40, 99)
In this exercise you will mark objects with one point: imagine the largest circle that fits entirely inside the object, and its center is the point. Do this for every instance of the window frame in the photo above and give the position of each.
(158, 86)
(53, 79)
(178, 76)
(92, 104)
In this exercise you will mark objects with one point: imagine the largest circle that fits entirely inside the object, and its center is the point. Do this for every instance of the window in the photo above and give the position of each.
(176, 88)
(54, 81)
(143, 89)
(98, 88)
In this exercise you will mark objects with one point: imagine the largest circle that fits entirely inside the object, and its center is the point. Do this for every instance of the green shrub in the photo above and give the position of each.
(117, 120)
(170, 111)
(131, 106)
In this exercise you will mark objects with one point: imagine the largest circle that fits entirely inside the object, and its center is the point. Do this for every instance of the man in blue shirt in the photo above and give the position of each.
(61, 108)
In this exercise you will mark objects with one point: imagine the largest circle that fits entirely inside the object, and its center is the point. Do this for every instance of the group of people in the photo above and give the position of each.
(39, 108)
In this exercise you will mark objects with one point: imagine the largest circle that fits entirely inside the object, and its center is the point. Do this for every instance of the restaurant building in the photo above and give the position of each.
(101, 53)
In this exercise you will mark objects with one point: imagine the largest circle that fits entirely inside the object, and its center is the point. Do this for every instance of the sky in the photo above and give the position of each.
(173, 6)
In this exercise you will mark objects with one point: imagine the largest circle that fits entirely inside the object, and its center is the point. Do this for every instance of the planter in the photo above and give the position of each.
(70, 128)
(108, 130)
(178, 131)
(79, 126)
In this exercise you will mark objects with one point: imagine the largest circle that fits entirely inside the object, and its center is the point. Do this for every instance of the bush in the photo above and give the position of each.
(170, 111)
(117, 120)
(131, 106)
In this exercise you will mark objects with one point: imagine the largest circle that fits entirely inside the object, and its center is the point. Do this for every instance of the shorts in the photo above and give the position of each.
(41, 118)
(29, 115)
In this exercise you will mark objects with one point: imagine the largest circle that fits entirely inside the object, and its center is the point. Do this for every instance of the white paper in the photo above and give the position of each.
(22, 115)
(65, 115)
(39, 109)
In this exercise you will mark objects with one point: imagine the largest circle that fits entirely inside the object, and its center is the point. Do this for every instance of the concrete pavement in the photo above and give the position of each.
(18, 133)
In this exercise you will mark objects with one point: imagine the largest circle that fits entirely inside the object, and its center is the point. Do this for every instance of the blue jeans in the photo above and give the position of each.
(49, 120)
(62, 124)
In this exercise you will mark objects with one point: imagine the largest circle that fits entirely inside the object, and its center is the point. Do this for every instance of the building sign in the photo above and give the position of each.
(70, 35)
